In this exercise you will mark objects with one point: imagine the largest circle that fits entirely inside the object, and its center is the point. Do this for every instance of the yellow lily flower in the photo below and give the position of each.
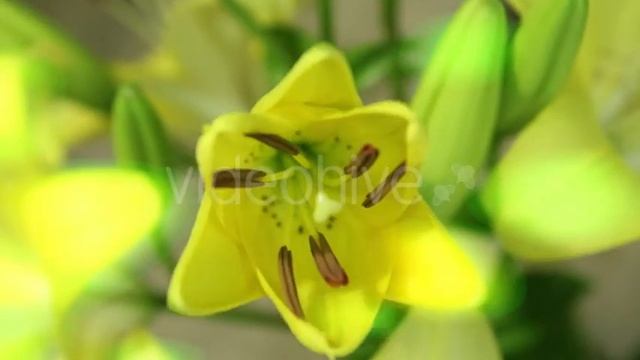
(311, 200)
(205, 63)
(569, 186)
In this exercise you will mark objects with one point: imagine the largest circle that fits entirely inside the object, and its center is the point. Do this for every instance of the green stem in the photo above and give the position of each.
(325, 11)
(163, 249)
(390, 22)
(243, 16)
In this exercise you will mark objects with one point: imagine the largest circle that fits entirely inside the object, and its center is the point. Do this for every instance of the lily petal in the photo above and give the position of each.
(231, 129)
(213, 273)
(321, 79)
(336, 320)
(431, 270)
(384, 126)
(562, 190)
(306, 333)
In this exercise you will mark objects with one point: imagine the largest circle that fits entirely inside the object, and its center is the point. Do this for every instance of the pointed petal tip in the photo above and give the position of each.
(327, 69)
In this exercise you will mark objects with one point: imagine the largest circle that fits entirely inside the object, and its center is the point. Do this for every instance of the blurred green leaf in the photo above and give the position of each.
(389, 317)
(284, 45)
(473, 214)
(139, 139)
(637, 356)
(372, 63)
(506, 290)
(544, 327)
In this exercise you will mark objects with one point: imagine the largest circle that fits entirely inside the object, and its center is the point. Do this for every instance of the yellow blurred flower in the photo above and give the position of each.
(567, 187)
(73, 225)
(37, 125)
(81, 221)
(431, 336)
(205, 63)
(610, 67)
(142, 345)
(24, 304)
(274, 220)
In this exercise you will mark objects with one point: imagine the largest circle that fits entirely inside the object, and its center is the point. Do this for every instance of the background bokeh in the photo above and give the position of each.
(608, 312)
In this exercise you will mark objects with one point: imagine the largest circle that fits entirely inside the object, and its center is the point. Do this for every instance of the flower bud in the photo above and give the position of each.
(540, 57)
(457, 102)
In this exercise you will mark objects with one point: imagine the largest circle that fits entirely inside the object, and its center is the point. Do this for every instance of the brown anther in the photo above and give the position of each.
(362, 162)
(276, 142)
(383, 189)
(513, 16)
(327, 263)
(238, 178)
(285, 267)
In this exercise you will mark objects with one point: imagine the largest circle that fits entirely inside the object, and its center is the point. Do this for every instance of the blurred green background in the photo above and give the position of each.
(586, 308)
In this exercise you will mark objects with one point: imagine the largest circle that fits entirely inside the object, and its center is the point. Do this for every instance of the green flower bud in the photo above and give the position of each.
(139, 139)
(457, 102)
(541, 56)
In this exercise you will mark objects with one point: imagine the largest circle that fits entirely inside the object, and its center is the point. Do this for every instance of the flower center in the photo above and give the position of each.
(296, 175)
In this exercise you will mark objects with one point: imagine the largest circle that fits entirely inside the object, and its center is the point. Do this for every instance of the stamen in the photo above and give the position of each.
(327, 263)
(512, 14)
(383, 189)
(276, 142)
(320, 261)
(285, 265)
(238, 178)
(362, 162)
(279, 143)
